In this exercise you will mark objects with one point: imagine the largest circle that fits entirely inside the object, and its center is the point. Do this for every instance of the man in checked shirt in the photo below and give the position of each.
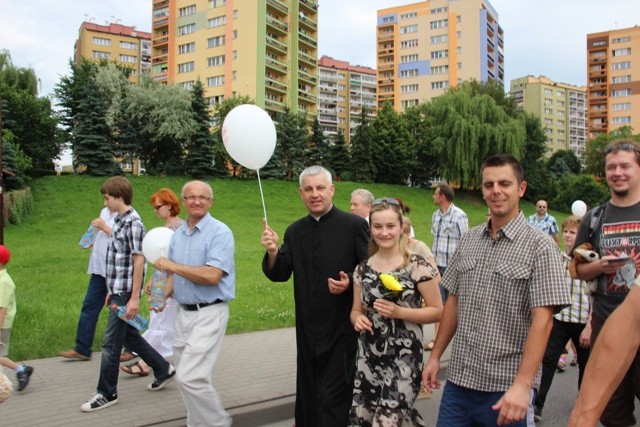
(504, 282)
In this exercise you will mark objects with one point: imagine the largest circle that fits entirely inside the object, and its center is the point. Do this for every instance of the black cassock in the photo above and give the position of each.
(315, 251)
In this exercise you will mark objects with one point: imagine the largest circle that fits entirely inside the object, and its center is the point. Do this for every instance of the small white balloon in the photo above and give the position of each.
(156, 243)
(579, 208)
(249, 136)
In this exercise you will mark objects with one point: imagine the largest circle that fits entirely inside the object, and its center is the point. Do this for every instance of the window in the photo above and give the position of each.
(409, 29)
(101, 55)
(408, 15)
(621, 92)
(388, 19)
(458, 34)
(235, 34)
(215, 81)
(187, 85)
(621, 120)
(548, 91)
(548, 111)
(441, 69)
(409, 88)
(409, 58)
(102, 42)
(128, 58)
(621, 79)
(215, 100)
(216, 3)
(218, 21)
(548, 122)
(215, 41)
(234, 54)
(439, 10)
(560, 103)
(560, 122)
(440, 85)
(409, 73)
(128, 45)
(215, 61)
(186, 67)
(621, 65)
(622, 106)
(408, 43)
(188, 10)
(186, 29)
(548, 101)
(440, 54)
(441, 23)
(235, 14)
(186, 48)
(559, 113)
(440, 39)
(560, 93)
(559, 131)
(409, 103)
(621, 39)
(622, 52)
(600, 43)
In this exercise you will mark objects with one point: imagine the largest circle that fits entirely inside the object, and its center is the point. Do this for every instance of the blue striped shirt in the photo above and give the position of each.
(447, 229)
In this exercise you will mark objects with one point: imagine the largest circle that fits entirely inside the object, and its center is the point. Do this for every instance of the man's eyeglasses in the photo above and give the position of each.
(198, 198)
(157, 207)
(621, 147)
(387, 200)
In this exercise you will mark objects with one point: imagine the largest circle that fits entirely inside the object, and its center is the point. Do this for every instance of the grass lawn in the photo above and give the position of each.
(49, 267)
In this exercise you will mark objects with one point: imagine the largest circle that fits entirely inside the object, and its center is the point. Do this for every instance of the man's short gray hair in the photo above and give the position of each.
(315, 170)
(365, 195)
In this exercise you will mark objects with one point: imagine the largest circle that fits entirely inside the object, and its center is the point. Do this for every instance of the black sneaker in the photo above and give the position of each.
(23, 377)
(159, 384)
(98, 401)
(537, 415)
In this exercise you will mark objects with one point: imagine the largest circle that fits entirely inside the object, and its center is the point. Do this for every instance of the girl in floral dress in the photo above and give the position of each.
(387, 311)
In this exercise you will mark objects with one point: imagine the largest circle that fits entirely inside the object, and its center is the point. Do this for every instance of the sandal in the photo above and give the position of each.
(429, 346)
(134, 368)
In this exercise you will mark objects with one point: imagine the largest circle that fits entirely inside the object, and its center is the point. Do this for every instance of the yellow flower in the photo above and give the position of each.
(391, 282)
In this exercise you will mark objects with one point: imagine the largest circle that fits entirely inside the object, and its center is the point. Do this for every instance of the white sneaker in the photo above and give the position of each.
(159, 384)
(97, 402)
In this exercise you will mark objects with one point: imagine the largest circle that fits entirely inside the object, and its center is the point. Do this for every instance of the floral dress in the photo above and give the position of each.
(389, 363)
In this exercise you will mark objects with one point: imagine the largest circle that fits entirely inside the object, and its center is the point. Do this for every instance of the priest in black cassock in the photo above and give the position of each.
(321, 250)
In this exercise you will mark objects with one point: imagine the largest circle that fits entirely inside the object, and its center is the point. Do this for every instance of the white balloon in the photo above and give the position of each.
(249, 136)
(579, 208)
(156, 243)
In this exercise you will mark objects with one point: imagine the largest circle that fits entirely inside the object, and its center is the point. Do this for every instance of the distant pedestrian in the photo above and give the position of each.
(321, 250)
(7, 315)
(361, 201)
(545, 222)
(505, 280)
(448, 224)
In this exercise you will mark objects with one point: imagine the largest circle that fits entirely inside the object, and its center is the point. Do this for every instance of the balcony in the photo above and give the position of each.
(277, 26)
(309, 6)
(307, 77)
(277, 44)
(278, 6)
(276, 65)
(308, 59)
(597, 60)
(160, 59)
(274, 106)
(385, 36)
(157, 4)
(276, 85)
(160, 41)
(309, 23)
(307, 40)
(385, 52)
(308, 97)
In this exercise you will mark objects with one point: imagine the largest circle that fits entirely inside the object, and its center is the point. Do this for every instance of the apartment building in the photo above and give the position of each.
(425, 48)
(115, 42)
(613, 70)
(264, 49)
(562, 109)
(343, 90)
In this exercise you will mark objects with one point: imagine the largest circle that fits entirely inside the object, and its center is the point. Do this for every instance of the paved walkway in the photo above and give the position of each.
(255, 372)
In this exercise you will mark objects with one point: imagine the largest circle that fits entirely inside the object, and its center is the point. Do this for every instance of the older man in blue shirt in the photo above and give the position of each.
(202, 278)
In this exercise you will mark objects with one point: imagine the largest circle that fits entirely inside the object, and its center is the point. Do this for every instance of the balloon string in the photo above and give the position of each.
(264, 208)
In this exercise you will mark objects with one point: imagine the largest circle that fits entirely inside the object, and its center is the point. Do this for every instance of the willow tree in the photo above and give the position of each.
(467, 128)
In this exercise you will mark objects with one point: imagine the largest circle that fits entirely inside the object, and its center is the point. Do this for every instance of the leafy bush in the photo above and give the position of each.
(580, 187)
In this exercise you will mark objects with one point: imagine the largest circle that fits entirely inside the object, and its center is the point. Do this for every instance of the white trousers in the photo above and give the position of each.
(197, 339)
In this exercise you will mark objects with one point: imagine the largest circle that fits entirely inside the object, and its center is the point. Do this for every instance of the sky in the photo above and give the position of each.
(543, 37)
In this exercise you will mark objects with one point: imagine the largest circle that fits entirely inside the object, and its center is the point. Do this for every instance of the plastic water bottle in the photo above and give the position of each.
(87, 239)
(139, 322)
(158, 284)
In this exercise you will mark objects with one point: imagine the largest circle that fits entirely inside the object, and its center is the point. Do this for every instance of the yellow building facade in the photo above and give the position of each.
(115, 42)
(613, 70)
(425, 48)
(265, 49)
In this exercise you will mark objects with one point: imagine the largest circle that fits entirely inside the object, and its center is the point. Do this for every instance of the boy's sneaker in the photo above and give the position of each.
(23, 377)
(537, 415)
(97, 402)
(159, 384)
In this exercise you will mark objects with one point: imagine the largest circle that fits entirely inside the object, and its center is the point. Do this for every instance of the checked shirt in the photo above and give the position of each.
(447, 229)
(497, 283)
(547, 224)
(125, 240)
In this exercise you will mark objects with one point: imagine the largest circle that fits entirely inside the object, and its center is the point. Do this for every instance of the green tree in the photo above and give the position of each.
(14, 172)
(338, 156)
(594, 153)
(468, 128)
(293, 140)
(318, 148)
(533, 161)
(392, 157)
(563, 162)
(199, 162)
(580, 187)
(363, 168)
(420, 144)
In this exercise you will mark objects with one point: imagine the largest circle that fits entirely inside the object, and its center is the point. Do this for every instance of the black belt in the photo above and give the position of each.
(195, 307)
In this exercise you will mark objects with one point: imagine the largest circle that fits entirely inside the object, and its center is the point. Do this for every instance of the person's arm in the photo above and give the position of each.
(269, 240)
(202, 275)
(431, 312)
(3, 311)
(134, 301)
(591, 270)
(613, 353)
(515, 401)
(359, 320)
(556, 239)
(448, 326)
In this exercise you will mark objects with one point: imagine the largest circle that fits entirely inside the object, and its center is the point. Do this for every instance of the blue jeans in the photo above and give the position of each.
(93, 302)
(464, 407)
(117, 334)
